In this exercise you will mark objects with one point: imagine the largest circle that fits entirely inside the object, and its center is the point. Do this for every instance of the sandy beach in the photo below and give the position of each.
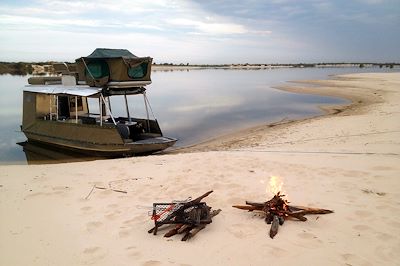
(347, 160)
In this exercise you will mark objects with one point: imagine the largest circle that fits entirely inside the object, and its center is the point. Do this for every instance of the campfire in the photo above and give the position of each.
(277, 209)
(189, 217)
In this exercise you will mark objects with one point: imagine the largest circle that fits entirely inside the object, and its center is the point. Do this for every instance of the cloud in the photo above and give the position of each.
(201, 31)
(48, 22)
(371, 2)
(210, 27)
(124, 6)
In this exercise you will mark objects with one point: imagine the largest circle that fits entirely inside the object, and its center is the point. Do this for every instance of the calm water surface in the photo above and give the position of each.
(192, 105)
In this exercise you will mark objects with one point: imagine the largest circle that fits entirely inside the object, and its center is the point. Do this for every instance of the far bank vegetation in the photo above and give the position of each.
(46, 68)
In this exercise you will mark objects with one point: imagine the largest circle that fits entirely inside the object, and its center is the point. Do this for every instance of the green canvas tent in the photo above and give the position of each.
(104, 66)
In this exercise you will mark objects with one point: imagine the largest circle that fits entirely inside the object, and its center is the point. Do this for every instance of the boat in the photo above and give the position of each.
(57, 111)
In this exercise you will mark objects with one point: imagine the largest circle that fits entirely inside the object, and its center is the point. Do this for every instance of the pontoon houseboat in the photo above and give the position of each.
(57, 110)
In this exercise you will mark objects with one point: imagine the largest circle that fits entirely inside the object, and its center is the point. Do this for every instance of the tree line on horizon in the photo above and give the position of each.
(25, 68)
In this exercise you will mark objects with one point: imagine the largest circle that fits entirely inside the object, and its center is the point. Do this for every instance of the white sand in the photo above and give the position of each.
(348, 162)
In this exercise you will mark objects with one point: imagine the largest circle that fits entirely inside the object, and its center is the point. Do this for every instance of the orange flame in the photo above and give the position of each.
(275, 185)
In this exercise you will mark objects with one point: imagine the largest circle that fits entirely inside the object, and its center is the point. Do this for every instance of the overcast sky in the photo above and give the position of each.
(203, 31)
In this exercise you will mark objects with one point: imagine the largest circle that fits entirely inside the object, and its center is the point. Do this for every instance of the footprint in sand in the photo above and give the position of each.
(37, 194)
(382, 168)
(133, 252)
(394, 224)
(91, 250)
(93, 255)
(124, 233)
(352, 259)
(60, 188)
(218, 185)
(348, 256)
(91, 226)
(388, 253)
(241, 230)
(361, 227)
(129, 222)
(362, 213)
(306, 235)
(351, 197)
(152, 263)
(384, 236)
(113, 215)
(86, 208)
(277, 252)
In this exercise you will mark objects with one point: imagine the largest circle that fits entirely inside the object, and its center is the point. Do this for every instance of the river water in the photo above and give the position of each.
(193, 105)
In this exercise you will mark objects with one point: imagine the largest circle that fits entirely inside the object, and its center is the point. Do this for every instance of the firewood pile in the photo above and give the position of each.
(188, 217)
(277, 210)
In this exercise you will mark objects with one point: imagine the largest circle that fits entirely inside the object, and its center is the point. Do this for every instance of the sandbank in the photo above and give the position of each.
(347, 160)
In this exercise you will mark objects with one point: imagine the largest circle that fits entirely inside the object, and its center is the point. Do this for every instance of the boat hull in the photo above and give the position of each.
(92, 139)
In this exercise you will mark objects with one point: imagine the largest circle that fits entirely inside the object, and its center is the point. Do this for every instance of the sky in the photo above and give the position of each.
(203, 31)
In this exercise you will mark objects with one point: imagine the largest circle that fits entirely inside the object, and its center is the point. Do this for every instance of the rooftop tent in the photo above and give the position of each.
(110, 53)
(103, 66)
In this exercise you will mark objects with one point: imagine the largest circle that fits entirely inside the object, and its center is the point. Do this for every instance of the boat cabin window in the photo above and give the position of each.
(72, 104)
(98, 69)
(138, 71)
(66, 106)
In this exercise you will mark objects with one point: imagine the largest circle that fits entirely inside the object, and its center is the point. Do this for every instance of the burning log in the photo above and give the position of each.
(277, 209)
(189, 217)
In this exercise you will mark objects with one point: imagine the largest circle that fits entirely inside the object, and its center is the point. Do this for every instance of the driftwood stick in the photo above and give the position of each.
(120, 191)
(184, 228)
(247, 208)
(116, 190)
(215, 213)
(193, 232)
(90, 192)
(198, 200)
(274, 226)
(297, 215)
(309, 210)
(173, 231)
(258, 205)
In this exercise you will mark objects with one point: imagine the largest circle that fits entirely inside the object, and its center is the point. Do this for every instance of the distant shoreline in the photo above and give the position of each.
(166, 67)
(246, 137)
(46, 68)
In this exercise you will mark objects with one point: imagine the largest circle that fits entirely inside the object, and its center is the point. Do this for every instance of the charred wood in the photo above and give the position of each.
(274, 226)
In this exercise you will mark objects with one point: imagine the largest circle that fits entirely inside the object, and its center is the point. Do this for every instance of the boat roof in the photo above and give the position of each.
(111, 53)
(81, 90)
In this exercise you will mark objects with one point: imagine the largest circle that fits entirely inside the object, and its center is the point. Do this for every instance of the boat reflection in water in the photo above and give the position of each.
(37, 153)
